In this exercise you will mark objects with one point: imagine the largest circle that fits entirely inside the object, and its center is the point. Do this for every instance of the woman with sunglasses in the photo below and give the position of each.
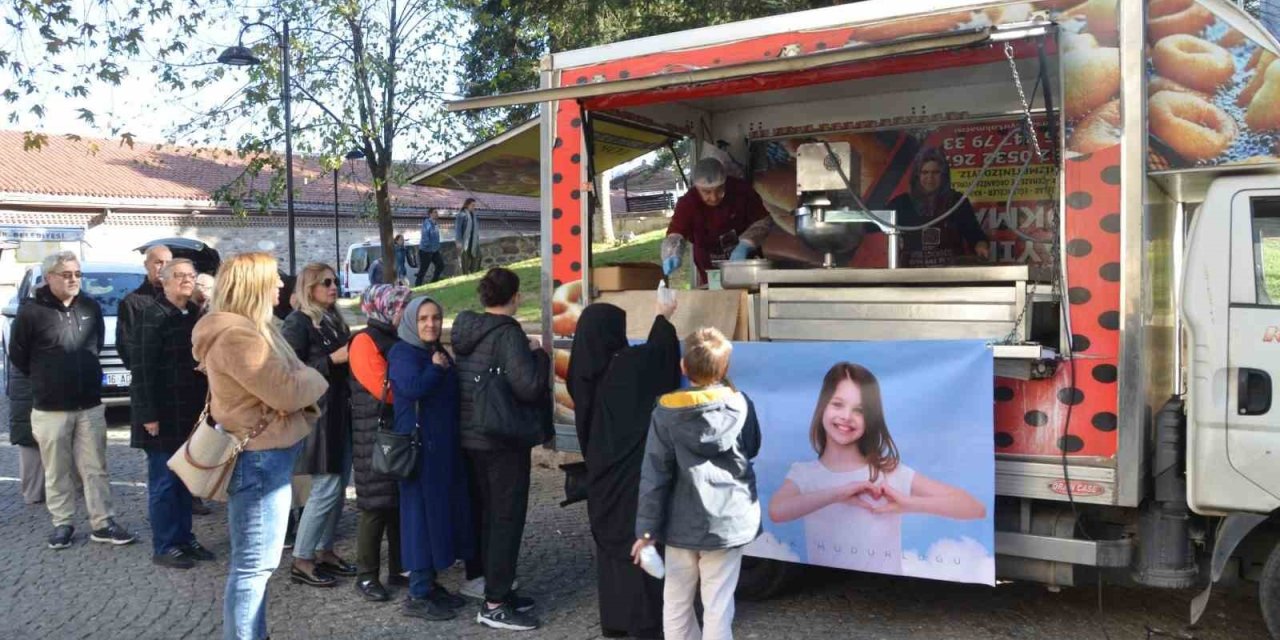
(319, 337)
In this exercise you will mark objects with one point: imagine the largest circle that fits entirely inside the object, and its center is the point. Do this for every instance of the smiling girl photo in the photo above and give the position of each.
(852, 498)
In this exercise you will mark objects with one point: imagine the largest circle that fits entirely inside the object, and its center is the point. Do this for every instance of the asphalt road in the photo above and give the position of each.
(92, 591)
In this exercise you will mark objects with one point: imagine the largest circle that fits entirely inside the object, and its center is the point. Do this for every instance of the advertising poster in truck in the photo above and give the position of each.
(1020, 228)
(877, 456)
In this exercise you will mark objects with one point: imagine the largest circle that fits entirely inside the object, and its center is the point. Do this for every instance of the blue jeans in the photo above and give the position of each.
(324, 508)
(259, 493)
(168, 504)
(421, 582)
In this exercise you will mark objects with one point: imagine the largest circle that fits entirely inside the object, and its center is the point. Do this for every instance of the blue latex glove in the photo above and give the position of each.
(741, 252)
(670, 265)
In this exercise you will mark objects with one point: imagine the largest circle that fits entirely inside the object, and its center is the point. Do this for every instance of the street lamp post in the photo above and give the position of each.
(354, 154)
(241, 56)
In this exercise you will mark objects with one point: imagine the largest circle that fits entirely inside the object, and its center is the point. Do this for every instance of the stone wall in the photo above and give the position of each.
(114, 238)
(631, 223)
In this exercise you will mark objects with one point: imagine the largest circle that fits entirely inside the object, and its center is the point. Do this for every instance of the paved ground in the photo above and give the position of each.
(91, 591)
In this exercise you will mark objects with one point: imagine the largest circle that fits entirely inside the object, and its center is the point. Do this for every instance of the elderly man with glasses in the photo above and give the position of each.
(55, 342)
(168, 396)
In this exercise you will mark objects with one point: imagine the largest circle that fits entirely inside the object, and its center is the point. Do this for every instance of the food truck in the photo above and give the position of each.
(1121, 160)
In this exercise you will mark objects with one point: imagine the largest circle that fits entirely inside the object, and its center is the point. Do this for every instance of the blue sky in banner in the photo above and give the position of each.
(938, 406)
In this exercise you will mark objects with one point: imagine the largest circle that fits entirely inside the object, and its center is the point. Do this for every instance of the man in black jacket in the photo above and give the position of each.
(500, 469)
(55, 342)
(126, 319)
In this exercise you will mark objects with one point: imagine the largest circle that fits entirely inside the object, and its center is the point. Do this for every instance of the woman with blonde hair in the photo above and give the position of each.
(318, 335)
(257, 386)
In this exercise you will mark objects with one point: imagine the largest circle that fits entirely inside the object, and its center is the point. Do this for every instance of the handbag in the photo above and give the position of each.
(205, 460)
(394, 454)
(495, 412)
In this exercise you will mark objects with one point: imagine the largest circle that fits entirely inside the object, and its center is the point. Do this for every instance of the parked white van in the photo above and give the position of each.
(360, 256)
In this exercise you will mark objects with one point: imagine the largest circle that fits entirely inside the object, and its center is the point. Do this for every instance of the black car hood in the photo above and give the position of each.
(205, 257)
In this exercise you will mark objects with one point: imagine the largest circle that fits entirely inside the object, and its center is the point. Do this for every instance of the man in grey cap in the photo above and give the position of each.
(721, 216)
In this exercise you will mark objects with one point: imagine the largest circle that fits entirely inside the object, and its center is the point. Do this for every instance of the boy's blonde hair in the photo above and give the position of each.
(706, 356)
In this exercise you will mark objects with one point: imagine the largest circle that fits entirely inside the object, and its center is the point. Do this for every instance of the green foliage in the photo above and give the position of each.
(511, 36)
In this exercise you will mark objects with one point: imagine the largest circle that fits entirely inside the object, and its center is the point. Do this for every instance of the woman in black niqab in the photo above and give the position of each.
(614, 389)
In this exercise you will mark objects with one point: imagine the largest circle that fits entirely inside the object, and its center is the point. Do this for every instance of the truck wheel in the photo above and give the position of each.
(762, 578)
(1269, 593)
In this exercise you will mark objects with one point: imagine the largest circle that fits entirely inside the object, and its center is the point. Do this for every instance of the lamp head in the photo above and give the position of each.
(239, 56)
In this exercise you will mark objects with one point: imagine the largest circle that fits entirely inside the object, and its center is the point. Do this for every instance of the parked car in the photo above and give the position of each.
(360, 256)
(205, 258)
(107, 283)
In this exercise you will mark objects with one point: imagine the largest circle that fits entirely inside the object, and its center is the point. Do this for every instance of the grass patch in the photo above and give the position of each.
(459, 293)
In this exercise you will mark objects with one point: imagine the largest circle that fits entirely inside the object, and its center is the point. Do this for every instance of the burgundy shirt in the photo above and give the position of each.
(714, 231)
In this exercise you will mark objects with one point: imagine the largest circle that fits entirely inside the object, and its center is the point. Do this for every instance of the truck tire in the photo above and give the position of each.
(762, 578)
(1269, 593)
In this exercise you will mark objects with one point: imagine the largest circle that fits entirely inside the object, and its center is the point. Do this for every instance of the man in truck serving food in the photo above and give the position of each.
(721, 216)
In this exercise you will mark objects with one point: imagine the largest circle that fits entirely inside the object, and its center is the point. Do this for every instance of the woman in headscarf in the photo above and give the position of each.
(377, 496)
(435, 505)
(931, 195)
(614, 388)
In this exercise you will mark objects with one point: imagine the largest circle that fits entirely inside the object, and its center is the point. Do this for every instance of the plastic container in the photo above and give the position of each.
(651, 562)
(666, 295)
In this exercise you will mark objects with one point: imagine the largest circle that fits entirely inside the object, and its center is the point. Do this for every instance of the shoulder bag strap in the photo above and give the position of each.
(382, 401)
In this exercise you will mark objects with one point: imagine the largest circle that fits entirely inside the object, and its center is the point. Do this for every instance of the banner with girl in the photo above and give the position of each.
(877, 456)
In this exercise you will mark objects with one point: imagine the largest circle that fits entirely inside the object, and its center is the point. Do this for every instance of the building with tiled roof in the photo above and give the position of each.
(122, 196)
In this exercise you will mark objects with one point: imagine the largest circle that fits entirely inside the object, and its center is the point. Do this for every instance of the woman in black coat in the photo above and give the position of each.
(372, 407)
(319, 336)
(614, 389)
(168, 396)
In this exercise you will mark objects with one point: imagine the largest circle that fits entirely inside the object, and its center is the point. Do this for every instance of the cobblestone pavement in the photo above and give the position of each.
(93, 591)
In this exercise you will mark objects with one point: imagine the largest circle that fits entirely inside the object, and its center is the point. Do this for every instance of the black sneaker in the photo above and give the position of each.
(197, 552)
(521, 603)
(61, 537)
(506, 617)
(174, 558)
(112, 534)
(426, 609)
(441, 596)
(397, 580)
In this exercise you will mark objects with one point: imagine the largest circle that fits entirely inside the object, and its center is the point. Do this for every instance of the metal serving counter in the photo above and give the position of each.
(1006, 305)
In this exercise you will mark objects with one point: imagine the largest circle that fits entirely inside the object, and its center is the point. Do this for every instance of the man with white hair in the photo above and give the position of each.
(721, 216)
(55, 342)
(156, 258)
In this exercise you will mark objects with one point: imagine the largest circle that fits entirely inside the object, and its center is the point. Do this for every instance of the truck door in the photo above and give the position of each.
(1253, 352)
(1231, 304)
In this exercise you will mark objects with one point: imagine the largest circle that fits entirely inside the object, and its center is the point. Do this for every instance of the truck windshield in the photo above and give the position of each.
(106, 287)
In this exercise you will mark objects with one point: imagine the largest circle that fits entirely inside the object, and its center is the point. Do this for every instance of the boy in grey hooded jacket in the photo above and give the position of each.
(698, 490)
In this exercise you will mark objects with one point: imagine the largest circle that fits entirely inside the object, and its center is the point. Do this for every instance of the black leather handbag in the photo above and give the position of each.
(496, 413)
(395, 454)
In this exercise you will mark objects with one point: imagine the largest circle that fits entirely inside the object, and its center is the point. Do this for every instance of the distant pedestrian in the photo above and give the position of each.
(435, 505)
(698, 491)
(377, 496)
(255, 382)
(55, 342)
(429, 249)
(168, 396)
(466, 237)
(376, 274)
(500, 469)
(319, 337)
(156, 257)
(402, 258)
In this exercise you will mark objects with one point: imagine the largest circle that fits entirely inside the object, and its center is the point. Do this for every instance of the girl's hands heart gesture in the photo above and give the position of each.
(895, 502)
(859, 493)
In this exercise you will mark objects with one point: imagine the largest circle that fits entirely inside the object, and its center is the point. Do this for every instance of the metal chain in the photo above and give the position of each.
(1026, 107)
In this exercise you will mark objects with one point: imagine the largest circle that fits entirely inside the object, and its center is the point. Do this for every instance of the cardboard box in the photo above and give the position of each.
(626, 276)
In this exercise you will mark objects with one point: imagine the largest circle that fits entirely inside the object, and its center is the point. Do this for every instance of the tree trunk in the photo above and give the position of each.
(386, 230)
(606, 206)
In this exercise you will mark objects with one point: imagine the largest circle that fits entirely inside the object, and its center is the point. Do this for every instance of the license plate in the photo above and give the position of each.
(117, 379)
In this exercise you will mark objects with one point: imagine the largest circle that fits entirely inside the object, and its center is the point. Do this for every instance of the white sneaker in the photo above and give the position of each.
(475, 588)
